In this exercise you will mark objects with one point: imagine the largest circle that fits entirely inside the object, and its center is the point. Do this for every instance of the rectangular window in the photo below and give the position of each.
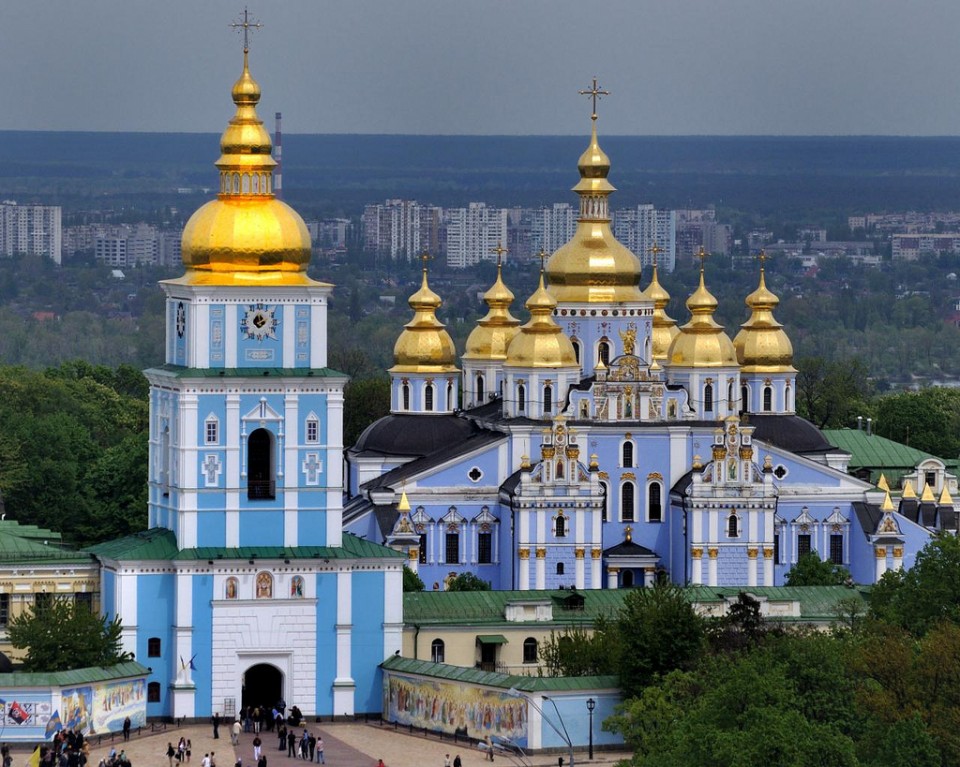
(803, 544)
(453, 548)
(836, 548)
(213, 433)
(776, 549)
(485, 548)
(313, 430)
(42, 600)
(930, 477)
(153, 647)
(84, 598)
(422, 555)
(4, 609)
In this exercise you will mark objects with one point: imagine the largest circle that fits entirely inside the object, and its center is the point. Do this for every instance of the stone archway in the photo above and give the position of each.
(262, 685)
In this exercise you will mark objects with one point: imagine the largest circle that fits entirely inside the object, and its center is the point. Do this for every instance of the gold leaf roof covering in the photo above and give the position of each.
(492, 335)
(762, 344)
(664, 327)
(541, 342)
(424, 346)
(594, 267)
(246, 236)
(701, 343)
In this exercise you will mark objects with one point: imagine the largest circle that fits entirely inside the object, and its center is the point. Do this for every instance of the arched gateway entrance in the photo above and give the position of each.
(262, 685)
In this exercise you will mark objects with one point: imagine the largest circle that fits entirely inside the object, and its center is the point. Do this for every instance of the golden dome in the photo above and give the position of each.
(246, 236)
(664, 326)
(701, 343)
(492, 335)
(541, 343)
(424, 346)
(762, 344)
(594, 267)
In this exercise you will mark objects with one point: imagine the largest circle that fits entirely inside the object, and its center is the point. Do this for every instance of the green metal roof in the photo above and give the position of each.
(14, 549)
(486, 609)
(494, 679)
(31, 532)
(178, 371)
(492, 639)
(877, 453)
(77, 676)
(161, 544)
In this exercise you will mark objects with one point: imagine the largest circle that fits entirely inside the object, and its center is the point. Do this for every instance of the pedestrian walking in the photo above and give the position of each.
(171, 752)
(235, 736)
(446, 761)
(257, 745)
(320, 759)
(216, 726)
(457, 762)
(292, 744)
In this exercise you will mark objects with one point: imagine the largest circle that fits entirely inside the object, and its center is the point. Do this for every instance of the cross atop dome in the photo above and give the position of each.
(656, 250)
(499, 250)
(247, 26)
(702, 255)
(595, 93)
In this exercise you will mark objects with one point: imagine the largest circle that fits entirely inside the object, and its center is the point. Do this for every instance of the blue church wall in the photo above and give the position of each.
(212, 528)
(315, 404)
(365, 527)
(155, 598)
(202, 642)
(915, 538)
(265, 352)
(108, 593)
(367, 649)
(800, 472)
(326, 590)
(676, 551)
(261, 528)
(311, 523)
(732, 565)
(862, 567)
(456, 474)
(217, 333)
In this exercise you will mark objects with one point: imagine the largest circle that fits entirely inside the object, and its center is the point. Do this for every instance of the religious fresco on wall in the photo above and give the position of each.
(439, 705)
(103, 707)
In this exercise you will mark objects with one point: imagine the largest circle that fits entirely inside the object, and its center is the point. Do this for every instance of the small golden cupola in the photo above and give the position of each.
(424, 346)
(246, 236)
(762, 344)
(594, 267)
(487, 344)
(701, 343)
(664, 326)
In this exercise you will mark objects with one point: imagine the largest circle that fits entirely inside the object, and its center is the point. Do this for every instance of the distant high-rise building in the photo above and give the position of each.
(643, 227)
(127, 245)
(401, 228)
(473, 232)
(31, 229)
(554, 226)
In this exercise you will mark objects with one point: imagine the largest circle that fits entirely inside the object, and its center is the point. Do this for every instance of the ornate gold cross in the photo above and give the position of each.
(656, 250)
(595, 93)
(499, 250)
(246, 25)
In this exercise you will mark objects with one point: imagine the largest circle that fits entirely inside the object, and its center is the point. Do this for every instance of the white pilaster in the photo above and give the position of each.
(343, 684)
(880, 553)
(768, 566)
(579, 572)
(712, 567)
(524, 571)
(751, 566)
(541, 571)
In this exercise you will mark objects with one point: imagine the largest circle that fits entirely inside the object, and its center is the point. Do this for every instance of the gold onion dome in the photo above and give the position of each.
(541, 342)
(762, 344)
(664, 326)
(246, 236)
(424, 346)
(701, 343)
(594, 267)
(492, 335)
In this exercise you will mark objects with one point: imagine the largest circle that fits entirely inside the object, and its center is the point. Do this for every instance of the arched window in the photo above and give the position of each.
(561, 527)
(606, 501)
(603, 352)
(405, 393)
(559, 472)
(521, 398)
(708, 398)
(437, 654)
(547, 399)
(733, 526)
(654, 507)
(153, 692)
(788, 398)
(730, 395)
(153, 647)
(260, 482)
(744, 399)
(628, 454)
(767, 399)
(428, 397)
(264, 586)
(231, 588)
(576, 350)
(559, 568)
(626, 502)
(626, 580)
(449, 396)
(480, 392)
(529, 650)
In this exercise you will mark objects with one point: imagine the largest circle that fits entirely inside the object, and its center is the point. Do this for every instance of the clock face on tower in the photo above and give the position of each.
(181, 320)
(259, 322)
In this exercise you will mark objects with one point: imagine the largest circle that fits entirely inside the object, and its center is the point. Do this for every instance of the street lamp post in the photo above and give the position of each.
(591, 704)
(564, 735)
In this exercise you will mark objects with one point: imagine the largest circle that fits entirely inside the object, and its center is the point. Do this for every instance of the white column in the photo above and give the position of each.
(612, 573)
(291, 469)
(524, 574)
(183, 688)
(126, 607)
(288, 333)
(233, 462)
(712, 554)
(696, 566)
(230, 321)
(343, 684)
(541, 568)
(334, 453)
(649, 577)
(752, 565)
(579, 568)
(898, 557)
(880, 553)
(768, 566)
(393, 611)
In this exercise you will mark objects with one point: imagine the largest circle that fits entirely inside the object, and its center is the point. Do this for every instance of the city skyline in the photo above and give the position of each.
(743, 67)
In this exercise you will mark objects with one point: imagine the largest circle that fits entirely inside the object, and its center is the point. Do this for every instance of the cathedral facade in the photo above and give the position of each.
(600, 445)
(245, 590)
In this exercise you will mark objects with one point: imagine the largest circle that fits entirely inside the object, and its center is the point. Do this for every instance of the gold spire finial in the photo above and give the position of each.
(702, 255)
(883, 484)
(927, 495)
(945, 499)
(246, 25)
(595, 93)
(499, 250)
(887, 504)
(542, 255)
(762, 257)
(656, 250)
(908, 491)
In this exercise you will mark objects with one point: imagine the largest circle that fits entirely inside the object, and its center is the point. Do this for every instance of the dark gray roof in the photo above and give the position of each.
(413, 435)
(791, 432)
(629, 549)
(868, 515)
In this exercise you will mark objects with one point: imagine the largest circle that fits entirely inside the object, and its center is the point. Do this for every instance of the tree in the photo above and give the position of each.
(467, 582)
(65, 635)
(928, 420)
(831, 393)
(411, 581)
(928, 593)
(659, 631)
(810, 570)
(578, 652)
(364, 401)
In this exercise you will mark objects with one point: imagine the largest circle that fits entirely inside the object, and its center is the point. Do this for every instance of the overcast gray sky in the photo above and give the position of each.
(495, 67)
